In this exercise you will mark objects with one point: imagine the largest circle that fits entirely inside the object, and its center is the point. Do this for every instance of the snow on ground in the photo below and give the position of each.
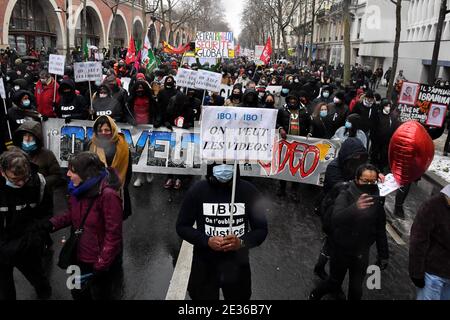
(441, 167)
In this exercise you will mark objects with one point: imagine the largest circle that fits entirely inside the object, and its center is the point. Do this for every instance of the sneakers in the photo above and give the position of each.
(169, 184)
(138, 183)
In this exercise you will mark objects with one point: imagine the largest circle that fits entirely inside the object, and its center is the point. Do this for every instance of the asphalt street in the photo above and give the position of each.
(282, 268)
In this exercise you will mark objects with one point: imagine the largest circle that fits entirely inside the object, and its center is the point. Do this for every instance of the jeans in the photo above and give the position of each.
(436, 288)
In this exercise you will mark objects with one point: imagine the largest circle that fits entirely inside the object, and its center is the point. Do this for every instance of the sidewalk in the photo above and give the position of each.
(437, 177)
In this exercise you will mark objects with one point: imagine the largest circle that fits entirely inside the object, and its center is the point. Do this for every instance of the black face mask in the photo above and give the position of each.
(270, 104)
(370, 189)
(236, 96)
(140, 93)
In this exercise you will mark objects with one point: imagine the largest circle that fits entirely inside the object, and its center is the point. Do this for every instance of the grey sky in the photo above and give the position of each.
(233, 10)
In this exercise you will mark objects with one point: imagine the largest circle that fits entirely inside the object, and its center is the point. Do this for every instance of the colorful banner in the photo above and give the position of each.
(423, 103)
(297, 159)
(214, 45)
(167, 48)
(152, 150)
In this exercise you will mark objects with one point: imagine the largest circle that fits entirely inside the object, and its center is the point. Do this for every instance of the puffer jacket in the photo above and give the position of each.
(42, 157)
(101, 241)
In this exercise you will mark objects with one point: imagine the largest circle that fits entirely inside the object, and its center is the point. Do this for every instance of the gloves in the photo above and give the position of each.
(168, 126)
(44, 118)
(419, 283)
(382, 263)
(67, 120)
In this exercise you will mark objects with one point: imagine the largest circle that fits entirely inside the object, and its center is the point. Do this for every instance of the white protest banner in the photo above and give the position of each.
(2, 89)
(238, 134)
(258, 51)
(186, 78)
(207, 80)
(226, 91)
(56, 64)
(126, 83)
(297, 159)
(275, 90)
(214, 45)
(88, 71)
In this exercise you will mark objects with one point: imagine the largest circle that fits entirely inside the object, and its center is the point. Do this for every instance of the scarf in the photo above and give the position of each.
(87, 185)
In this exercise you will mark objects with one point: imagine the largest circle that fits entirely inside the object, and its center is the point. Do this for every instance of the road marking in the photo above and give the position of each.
(180, 278)
(395, 235)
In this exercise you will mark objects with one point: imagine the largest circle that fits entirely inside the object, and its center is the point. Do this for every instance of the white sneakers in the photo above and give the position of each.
(140, 179)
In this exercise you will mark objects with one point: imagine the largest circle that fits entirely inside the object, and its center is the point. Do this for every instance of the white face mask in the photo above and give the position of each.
(387, 110)
(16, 88)
(102, 95)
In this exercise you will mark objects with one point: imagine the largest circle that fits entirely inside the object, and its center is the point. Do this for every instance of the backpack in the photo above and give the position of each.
(327, 205)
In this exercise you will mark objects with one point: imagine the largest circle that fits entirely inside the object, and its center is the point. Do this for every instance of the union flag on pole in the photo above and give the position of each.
(131, 53)
(267, 52)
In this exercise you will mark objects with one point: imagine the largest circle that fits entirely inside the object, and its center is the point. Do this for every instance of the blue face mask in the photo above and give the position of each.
(26, 103)
(12, 185)
(285, 91)
(29, 146)
(323, 114)
(348, 125)
(223, 173)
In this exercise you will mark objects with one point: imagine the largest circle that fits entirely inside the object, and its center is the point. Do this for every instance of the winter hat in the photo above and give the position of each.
(140, 76)
(340, 95)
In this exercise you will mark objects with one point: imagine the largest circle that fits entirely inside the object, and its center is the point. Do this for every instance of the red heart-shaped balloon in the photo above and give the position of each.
(411, 152)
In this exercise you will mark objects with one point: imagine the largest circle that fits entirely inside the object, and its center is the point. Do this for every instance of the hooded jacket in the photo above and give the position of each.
(206, 204)
(343, 168)
(42, 157)
(165, 95)
(354, 231)
(18, 114)
(250, 99)
(44, 98)
(369, 116)
(101, 241)
(20, 211)
(180, 106)
(108, 106)
(72, 105)
(144, 108)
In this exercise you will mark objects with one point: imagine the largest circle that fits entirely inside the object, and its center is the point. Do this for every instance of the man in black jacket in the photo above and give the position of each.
(72, 106)
(221, 258)
(25, 205)
(357, 222)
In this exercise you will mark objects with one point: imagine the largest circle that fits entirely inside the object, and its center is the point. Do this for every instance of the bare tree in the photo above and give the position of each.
(437, 43)
(398, 30)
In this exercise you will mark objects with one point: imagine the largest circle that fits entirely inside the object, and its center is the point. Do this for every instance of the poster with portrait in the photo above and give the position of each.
(436, 116)
(408, 94)
(429, 101)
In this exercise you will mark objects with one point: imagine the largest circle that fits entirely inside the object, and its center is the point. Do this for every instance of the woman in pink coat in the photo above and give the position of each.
(94, 191)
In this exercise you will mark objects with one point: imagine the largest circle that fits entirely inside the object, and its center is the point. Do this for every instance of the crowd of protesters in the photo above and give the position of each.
(312, 102)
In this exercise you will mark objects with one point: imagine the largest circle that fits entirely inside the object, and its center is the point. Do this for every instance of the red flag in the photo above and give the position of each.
(131, 53)
(237, 51)
(267, 52)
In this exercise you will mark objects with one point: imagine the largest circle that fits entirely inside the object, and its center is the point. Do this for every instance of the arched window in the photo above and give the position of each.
(29, 27)
(92, 28)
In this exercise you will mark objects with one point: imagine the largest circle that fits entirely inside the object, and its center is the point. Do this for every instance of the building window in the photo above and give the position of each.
(358, 34)
(91, 36)
(29, 27)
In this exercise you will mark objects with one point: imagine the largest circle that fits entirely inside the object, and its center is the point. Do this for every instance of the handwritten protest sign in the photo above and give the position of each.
(88, 71)
(423, 103)
(241, 134)
(186, 78)
(207, 80)
(56, 64)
